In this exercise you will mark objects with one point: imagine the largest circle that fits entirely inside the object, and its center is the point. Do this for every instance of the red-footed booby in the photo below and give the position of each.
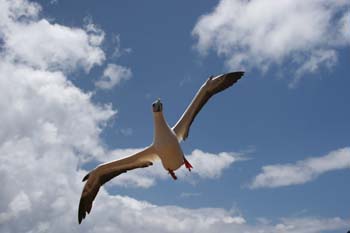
(165, 144)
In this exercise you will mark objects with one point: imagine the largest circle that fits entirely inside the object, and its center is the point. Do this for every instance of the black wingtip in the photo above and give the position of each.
(234, 76)
(81, 211)
(236, 73)
(80, 219)
(86, 177)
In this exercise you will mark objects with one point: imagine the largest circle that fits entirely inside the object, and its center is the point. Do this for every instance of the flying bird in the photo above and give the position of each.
(165, 146)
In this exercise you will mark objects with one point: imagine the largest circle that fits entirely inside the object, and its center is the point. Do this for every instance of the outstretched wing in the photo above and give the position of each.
(105, 172)
(212, 86)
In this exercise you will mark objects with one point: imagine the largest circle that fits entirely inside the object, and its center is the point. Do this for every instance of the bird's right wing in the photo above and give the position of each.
(212, 86)
(105, 172)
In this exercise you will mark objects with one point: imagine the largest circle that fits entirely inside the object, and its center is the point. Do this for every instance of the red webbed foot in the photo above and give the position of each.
(172, 173)
(187, 164)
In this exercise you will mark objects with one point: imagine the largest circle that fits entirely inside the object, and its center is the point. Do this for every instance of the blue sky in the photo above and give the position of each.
(271, 153)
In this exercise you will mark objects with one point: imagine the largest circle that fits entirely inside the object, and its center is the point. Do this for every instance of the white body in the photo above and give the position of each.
(166, 144)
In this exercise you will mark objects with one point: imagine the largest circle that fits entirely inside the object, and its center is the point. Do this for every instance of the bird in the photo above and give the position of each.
(165, 146)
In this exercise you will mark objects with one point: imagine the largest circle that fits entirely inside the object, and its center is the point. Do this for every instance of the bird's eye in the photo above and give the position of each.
(153, 105)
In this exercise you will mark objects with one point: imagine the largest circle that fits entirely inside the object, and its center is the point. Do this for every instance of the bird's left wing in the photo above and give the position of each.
(212, 86)
(105, 172)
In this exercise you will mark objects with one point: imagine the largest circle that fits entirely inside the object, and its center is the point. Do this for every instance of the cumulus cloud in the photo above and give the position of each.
(45, 45)
(205, 166)
(325, 58)
(210, 165)
(46, 108)
(113, 75)
(143, 216)
(308, 225)
(50, 126)
(258, 34)
(302, 171)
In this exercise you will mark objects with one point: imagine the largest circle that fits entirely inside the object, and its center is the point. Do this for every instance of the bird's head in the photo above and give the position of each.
(157, 106)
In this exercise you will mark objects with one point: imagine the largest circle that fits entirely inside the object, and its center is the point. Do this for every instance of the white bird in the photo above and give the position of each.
(165, 144)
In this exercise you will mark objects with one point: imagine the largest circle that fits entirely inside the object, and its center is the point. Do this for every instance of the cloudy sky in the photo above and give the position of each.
(270, 155)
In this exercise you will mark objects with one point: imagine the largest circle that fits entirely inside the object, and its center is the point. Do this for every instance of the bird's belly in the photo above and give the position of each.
(168, 148)
(171, 156)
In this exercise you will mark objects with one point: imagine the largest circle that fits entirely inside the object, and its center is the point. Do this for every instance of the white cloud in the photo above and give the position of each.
(344, 26)
(208, 165)
(53, 2)
(46, 108)
(258, 34)
(308, 225)
(41, 44)
(118, 49)
(127, 131)
(96, 34)
(113, 75)
(19, 204)
(302, 171)
(153, 218)
(48, 126)
(205, 166)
